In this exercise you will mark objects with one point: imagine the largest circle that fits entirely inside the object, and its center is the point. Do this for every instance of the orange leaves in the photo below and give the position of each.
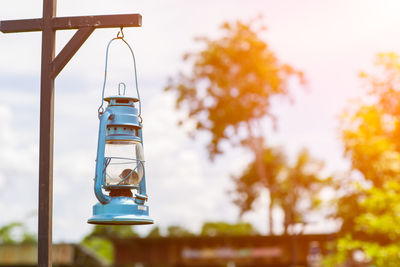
(370, 133)
(231, 82)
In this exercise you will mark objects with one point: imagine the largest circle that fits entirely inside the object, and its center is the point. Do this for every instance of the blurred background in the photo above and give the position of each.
(271, 134)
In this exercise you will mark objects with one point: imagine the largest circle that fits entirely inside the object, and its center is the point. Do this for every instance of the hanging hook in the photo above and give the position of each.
(121, 31)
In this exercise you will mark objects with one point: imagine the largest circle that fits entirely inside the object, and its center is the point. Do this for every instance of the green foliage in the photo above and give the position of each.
(102, 247)
(99, 240)
(375, 230)
(249, 184)
(294, 188)
(16, 233)
(370, 132)
(227, 229)
(113, 231)
(231, 83)
(382, 211)
(178, 231)
(155, 232)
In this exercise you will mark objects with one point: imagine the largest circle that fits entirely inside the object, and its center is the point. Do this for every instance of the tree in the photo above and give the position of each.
(99, 240)
(227, 229)
(16, 233)
(178, 231)
(230, 88)
(370, 133)
(154, 232)
(292, 188)
(249, 184)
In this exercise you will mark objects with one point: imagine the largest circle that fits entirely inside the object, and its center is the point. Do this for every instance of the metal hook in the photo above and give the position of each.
(119, 88)
(121, 32)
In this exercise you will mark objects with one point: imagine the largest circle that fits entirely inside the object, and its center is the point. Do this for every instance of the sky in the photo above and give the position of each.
(330, 41)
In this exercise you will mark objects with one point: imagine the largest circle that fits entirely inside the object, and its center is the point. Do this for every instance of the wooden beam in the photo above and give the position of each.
(106, 21)
(70, 23)
(22, 25)
(70, 49)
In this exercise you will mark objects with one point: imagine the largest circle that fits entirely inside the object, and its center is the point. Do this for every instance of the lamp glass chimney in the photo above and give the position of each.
(125, 162)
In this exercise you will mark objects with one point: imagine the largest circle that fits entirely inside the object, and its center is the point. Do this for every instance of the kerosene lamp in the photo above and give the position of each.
(120, 184)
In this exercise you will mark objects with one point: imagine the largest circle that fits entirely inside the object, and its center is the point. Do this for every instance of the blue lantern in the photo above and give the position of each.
(120, 161)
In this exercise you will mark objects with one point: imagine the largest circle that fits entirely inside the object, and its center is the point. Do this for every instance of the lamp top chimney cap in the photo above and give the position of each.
(120, 100)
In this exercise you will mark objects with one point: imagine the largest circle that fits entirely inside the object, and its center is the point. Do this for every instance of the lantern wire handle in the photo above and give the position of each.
(101, 109)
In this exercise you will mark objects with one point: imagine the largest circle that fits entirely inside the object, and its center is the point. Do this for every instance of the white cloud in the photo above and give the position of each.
(2, 180)
(18, 161)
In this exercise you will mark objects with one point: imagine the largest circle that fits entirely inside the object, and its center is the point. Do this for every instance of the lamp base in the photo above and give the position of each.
(120, 211)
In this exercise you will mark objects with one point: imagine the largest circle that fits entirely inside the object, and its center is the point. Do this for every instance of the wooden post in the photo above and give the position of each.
(51, 67)
(46, 138)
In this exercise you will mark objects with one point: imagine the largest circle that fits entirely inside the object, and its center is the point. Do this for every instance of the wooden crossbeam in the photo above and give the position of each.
(70, 23)
(107, 21)
(22, 25)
